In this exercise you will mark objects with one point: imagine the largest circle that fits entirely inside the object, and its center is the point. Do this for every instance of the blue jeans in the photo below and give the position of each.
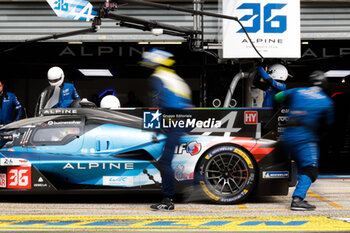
(166, 170)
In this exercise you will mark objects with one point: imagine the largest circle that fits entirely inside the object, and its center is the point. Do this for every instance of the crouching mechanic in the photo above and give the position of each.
(272, 82)
(171, 93)
(58, 94)
(310, 109)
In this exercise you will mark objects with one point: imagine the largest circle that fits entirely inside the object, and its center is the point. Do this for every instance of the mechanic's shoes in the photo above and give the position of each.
(301, 205)
(165, 205)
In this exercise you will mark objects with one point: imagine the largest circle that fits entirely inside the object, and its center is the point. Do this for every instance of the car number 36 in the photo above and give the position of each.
(19, 177)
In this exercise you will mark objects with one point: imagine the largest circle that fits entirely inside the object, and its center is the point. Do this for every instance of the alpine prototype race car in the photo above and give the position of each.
(226, 154)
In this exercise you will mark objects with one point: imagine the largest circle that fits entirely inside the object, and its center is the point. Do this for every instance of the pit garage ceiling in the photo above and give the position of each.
(96, 1)
(23, 19)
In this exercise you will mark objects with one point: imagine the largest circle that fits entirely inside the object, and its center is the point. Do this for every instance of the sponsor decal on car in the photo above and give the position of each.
(190, 123)
(118, 180)
(282, 120)
(225, 126)
(55, 111)
(14, 162)
(192, 148)
(96, 165)
(152, 120)
(73, 122)
(2, 180)
(19, 178)
(157, 120)
(40, 183)
(250, 117)
(275, 174)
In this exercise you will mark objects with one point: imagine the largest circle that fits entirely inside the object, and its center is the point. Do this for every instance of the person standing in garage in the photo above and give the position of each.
(58, 94)
(171, 93)
(9, 105)
(310, 111)
(272, 82)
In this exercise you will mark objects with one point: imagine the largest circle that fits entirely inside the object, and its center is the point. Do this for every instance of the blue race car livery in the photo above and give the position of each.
(224, 155)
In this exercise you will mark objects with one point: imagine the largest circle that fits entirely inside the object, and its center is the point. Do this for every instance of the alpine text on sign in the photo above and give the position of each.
(273, 26)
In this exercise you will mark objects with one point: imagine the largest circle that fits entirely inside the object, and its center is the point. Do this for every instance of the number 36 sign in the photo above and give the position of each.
(273, 26)
(19, 177)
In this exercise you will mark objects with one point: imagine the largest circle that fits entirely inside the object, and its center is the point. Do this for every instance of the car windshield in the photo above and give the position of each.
(55, 134)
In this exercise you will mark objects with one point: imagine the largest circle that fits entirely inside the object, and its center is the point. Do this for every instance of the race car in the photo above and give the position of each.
(225, 154)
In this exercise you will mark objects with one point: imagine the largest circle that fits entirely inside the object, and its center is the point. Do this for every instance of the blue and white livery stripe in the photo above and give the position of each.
(73, 9)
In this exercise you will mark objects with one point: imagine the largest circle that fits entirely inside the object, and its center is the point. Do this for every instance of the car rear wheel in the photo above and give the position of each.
(227, 174)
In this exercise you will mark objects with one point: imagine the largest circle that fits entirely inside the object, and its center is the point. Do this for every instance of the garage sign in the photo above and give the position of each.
(273, 26)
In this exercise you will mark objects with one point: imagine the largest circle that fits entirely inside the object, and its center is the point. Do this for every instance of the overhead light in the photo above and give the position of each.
(337, 73)
(96, 72)
(305, 42)
(160, 42)
(102, 37)
(165, 42)
(75, 42)
(343, 80)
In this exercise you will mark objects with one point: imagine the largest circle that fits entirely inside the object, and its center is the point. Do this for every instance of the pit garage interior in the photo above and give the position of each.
(325, 34)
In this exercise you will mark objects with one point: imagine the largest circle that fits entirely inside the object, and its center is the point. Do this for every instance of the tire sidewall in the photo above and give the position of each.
(242, 194)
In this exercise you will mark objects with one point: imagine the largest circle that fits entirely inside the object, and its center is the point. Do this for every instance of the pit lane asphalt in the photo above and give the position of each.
(331, 196)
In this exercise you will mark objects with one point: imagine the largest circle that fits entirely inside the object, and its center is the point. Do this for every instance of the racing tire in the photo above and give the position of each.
(226, 174)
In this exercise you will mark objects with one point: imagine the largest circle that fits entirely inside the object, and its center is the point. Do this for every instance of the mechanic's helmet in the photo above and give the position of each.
(318, 78)
(278, 72)
(110, 101)
(155, 58)
(55, 76)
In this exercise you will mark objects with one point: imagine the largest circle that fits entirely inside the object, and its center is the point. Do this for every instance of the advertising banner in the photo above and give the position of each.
(273, 26)
(235, 122)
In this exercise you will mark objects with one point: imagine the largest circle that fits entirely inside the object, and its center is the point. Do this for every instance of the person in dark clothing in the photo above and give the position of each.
(272, 82)
(310, 110)
(133, 101)
(171, 93)
(9, 105)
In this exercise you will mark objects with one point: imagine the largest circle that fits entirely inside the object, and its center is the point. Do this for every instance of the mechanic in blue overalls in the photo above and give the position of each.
(310, 111)
(171, 93)
(8, 104)
(272, 82)
(58, 94)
